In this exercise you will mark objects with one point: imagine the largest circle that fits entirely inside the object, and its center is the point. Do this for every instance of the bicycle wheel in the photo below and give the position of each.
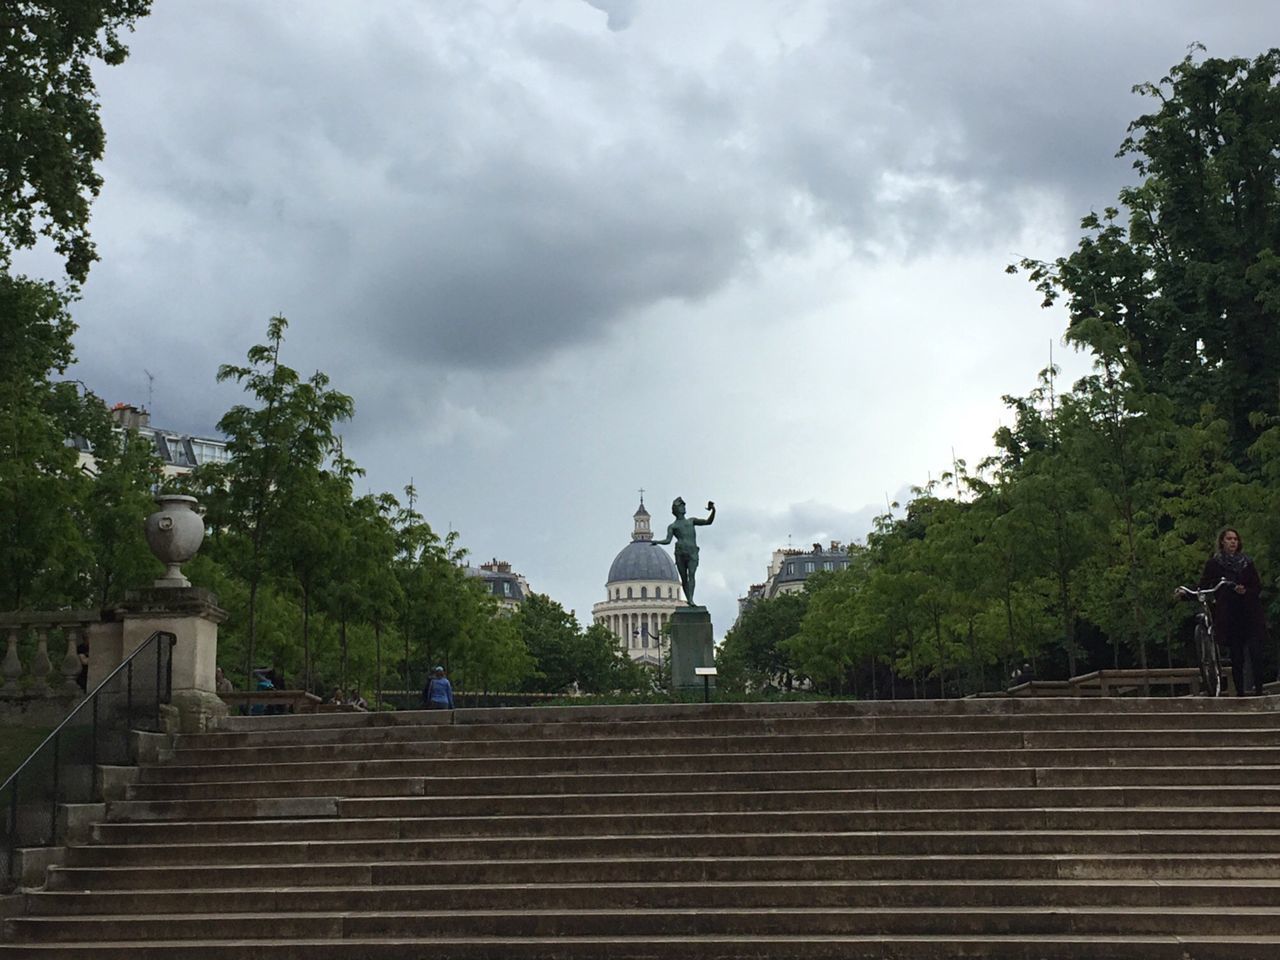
(1207, 659)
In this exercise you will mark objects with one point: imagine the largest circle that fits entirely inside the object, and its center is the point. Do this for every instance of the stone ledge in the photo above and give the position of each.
(171, 601)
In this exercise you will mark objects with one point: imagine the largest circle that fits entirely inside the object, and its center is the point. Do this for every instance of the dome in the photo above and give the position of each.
(641, 560)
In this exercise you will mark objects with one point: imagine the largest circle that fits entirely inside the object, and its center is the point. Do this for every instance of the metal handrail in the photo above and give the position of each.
(52, 743)
(125, 664)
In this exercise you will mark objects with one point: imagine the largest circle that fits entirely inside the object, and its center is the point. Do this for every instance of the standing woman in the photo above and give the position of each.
(1238, 616)
(438, 693)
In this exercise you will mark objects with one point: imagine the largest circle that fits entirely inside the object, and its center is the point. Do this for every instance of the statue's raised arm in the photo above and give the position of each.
(711, 517)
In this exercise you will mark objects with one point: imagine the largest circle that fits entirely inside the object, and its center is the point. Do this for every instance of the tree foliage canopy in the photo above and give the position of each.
(50, 131)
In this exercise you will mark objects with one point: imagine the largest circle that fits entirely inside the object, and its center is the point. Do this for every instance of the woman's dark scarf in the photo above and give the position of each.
(1233, 563)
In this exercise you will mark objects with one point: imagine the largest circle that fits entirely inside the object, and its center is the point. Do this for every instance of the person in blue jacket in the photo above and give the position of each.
(438, 693)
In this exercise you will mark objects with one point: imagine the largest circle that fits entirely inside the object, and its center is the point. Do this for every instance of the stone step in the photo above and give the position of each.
(643, 783)
(666, 922)
(627, 745)
(773, 711)
(698, 801)
(708, 895)
(373, 728)
(850, 843)
(873, 947)
(723, 762)
(1211, 867)
(659, 822)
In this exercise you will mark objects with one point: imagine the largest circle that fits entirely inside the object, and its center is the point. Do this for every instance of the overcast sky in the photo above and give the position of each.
(559, 250)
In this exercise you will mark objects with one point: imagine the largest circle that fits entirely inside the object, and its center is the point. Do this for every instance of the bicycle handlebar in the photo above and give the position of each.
(1208, 591)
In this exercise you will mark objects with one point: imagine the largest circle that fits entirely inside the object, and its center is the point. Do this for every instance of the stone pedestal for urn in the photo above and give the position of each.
(191, 614)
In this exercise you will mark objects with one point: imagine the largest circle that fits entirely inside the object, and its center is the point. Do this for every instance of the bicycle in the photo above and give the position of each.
(1206, 643)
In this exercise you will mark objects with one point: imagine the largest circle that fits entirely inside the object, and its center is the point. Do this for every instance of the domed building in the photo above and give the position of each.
(641, 593)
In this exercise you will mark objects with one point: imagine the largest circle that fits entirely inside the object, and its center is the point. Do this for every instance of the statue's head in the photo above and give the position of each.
(677, 506)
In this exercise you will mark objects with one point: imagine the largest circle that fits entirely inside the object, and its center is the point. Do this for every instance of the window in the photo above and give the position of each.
(808, 566)
(506, 588)
(828, 565)
(177, 452)
(628, 593)
(617, 594)
(791, 568)
(644, 593)
(206, 452)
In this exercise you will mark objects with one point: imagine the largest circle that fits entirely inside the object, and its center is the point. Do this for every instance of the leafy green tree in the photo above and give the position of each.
(50, 130)
(566, 657)
(604, 666)
(39, 545)
(277, 447)
(307, 534)
(753, 653)
(360, 589)
(1053, 500)
(1122, 432)
(1184, 275)
(492, 655)
(550, 634)
(121, 494)
(827, 645)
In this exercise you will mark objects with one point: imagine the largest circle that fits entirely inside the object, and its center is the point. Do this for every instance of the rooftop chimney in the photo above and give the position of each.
(129, 417)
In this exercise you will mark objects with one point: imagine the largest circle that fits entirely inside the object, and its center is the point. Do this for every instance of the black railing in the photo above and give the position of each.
(97, 732)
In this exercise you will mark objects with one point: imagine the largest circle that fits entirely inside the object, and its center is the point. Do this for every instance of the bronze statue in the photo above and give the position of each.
(682, 529)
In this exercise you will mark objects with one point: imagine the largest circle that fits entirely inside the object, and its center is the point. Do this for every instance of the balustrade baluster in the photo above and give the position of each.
(12, 666)
(40, 665)
(71, 662)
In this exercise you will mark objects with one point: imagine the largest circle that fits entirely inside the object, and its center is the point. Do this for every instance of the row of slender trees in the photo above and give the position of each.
(1063, 549)
(329, 587)
(335, 588)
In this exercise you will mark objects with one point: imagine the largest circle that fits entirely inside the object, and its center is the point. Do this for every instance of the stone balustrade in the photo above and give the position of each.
(28, 670)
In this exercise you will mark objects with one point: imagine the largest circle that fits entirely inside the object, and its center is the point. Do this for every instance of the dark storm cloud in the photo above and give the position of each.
(551, 262)
(459, 213)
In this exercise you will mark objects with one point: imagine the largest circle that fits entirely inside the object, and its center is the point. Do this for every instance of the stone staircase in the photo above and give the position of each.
(1032, 829)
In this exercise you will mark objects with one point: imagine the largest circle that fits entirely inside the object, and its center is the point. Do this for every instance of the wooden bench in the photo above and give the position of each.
(296, 701)
(1106, 683)
(1042, 688)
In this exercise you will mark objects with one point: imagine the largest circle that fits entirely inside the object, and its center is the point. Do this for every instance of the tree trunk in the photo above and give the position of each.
(253, 604)
(342, 633)
(306, 637)
(377, 646)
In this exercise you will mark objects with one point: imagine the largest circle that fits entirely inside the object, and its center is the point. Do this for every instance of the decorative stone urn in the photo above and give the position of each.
(174, 533)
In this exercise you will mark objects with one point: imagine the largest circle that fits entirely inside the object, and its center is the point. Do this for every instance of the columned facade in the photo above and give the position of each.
(641, 592)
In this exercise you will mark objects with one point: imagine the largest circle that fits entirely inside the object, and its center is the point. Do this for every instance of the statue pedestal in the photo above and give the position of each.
(691, 646)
